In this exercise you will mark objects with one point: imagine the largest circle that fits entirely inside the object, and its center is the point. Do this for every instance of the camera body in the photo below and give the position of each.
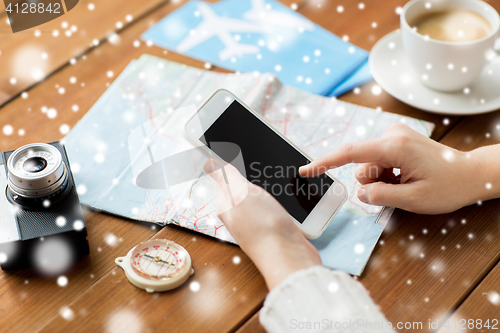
(41, 219)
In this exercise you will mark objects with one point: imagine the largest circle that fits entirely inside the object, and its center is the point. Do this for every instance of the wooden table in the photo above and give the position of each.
(425, 268)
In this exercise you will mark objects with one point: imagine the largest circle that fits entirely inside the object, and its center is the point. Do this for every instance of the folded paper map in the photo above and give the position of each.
(158, 96)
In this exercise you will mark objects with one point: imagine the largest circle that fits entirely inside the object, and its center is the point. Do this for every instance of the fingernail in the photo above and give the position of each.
(218, 164)
(362, 195)
(209, 166)
(302, 168)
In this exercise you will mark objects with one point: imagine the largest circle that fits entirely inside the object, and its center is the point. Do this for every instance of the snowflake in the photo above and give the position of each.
(376, 90)
(53, 256)
(124, 320)
(67, 313)
(494, 298)
(359, 248)
(62, 281)
(194, 286)
(78, 225)
(51, 113)
(81, 189)
(113, 38)
(61, 221)
(361, 130)
(333, 287)
(448, 155)
(99, 158)
(8, 130)
(111, 239)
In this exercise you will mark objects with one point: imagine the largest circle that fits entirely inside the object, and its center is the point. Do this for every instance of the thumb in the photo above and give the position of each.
(232, 187)
(383, 194)
(223, 172)
(211, 167)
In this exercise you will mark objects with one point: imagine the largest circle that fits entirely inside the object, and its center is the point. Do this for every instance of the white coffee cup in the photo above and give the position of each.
(448, 66)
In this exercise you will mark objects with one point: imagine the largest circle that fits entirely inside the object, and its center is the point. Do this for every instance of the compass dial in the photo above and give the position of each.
(158, 259)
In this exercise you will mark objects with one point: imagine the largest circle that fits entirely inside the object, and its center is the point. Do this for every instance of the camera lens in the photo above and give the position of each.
(36, 172)
(35, 164)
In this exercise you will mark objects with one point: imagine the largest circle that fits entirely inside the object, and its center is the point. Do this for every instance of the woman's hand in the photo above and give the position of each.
(261, 226)
(433, 178)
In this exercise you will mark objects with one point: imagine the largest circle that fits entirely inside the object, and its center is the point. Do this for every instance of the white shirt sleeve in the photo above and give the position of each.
(318, 299)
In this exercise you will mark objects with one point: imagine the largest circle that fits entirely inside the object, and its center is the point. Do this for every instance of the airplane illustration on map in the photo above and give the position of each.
(259, 19)
(263, 13)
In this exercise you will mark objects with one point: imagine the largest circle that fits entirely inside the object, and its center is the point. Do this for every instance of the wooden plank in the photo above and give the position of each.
(483, 303)
(356, 24)
(227, 294)
(91, 74)
(28, 301)
(27, 59)
(252, 325)
(482, 307)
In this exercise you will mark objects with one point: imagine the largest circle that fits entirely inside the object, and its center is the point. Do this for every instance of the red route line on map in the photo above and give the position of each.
(150, 114)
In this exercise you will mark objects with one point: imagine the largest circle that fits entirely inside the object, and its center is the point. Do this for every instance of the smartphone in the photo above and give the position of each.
(269, 160)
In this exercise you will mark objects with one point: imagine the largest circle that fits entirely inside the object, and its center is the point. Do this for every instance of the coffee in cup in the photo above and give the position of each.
(448, 42)
(452, 26)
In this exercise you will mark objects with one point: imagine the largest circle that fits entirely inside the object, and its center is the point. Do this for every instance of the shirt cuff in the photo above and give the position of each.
(318, 299)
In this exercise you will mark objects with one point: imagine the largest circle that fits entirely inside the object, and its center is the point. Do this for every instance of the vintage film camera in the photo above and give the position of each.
(41, 219)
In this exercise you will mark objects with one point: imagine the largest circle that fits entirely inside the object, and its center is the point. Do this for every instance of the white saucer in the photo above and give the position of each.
(393, 72)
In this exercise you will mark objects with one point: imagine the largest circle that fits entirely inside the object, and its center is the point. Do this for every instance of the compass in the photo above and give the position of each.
(157, 265)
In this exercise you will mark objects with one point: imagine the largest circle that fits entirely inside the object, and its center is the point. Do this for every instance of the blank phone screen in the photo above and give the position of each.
(269, 161)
